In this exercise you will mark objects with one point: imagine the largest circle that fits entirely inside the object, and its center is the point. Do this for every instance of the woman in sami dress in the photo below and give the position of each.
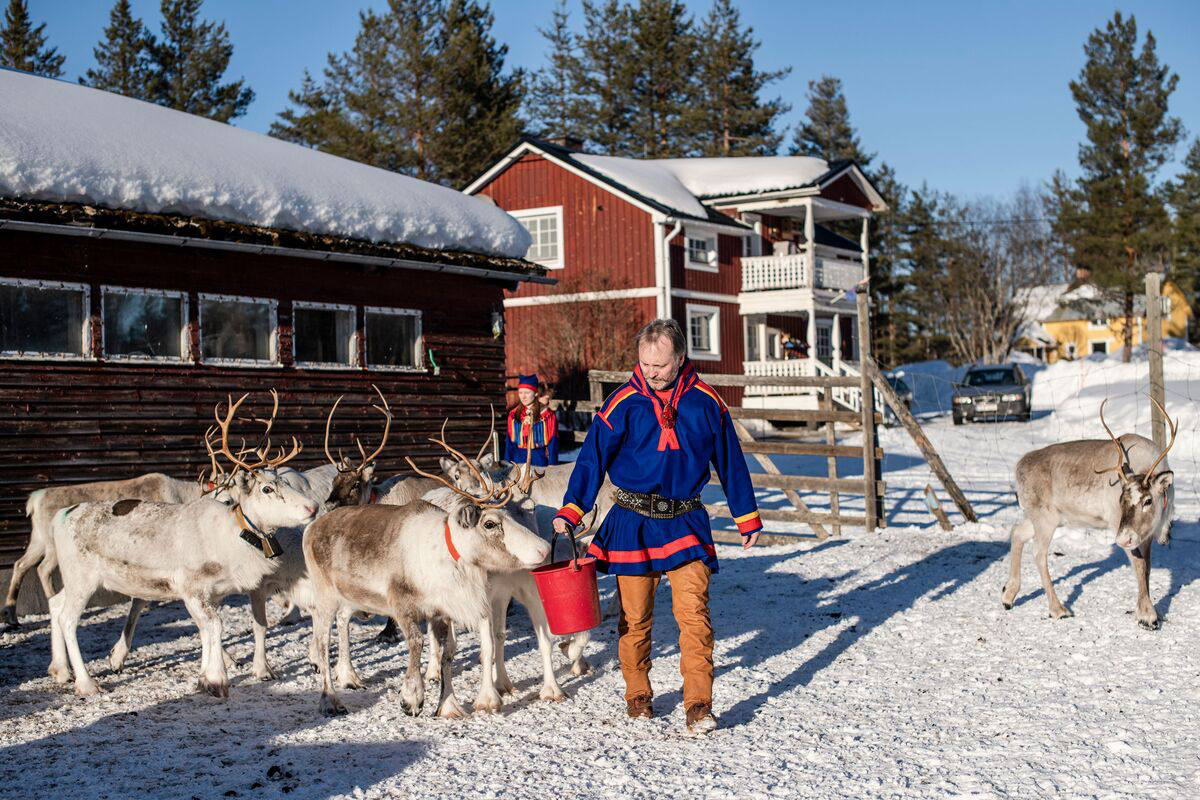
(531, 421)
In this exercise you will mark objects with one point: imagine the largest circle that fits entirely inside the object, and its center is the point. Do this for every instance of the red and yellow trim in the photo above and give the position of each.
(613, 401)
(708, 390)
(571, 513)
(748, 523)
(649, 553)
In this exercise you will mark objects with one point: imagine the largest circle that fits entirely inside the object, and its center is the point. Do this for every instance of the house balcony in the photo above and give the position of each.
(847, 397)
(799, 271)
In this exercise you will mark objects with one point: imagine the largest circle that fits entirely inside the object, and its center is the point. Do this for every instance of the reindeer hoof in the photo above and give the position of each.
(488, 703)
(412, 707)
(1150, 625)
(506, 688)
(349, 681)
(265, 673)
(1007, 606)
(552, 694)
(581, 667)
(10, 618)
(331, 706)
(59, 673)
(88, 689)
(218, 689)
(450, 709)
(1062, 613)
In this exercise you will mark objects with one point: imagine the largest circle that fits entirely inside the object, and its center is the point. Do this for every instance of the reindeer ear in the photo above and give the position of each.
(447, 465)
(487, 461)
(468, 515)
(1162, 481)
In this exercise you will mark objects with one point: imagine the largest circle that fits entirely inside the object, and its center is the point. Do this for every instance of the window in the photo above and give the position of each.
(44, 319)
(1098, 323)
(1071, 350)
(1100, 347)
(393, 338)
(824, 343)
(701, 252)
(704, 332)
(545, 225)
(143, 324)
(752, 344)
(238, 330)
(323, 335)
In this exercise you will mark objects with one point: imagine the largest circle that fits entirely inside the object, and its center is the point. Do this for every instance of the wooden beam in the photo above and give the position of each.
(1158, 424)
(806, 449)
(809, 483)
(935, 507)
(765, 539)
(816, 381)
(869, 418)
(914, 430)
(747, 440)
(797, 415)
(831, 459)
(787, 515)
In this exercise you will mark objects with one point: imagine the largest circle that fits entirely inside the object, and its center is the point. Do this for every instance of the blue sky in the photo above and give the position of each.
(970, 97)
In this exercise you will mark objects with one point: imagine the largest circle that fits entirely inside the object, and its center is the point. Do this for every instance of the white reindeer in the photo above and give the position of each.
(197, 552)
(412, 562)
(1072, 484)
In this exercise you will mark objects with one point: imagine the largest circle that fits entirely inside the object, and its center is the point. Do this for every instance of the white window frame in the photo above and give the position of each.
(714, 332)
(1070, 350)
(1102, 326)
(710, 263)
(420, 342)
(185, 350)
(85, 339)
(557, 213)
(239, 362)
(1092, 346)
(352, 344)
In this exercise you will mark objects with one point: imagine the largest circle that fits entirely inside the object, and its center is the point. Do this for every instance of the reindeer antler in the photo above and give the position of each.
(495, 496)
(1174, 426)
(1122, 457)
(528, 477)
(264, 458)
(491, 432)
(264, 449)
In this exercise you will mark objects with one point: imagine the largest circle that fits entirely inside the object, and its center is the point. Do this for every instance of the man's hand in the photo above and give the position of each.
(747, 541)
(562, 527)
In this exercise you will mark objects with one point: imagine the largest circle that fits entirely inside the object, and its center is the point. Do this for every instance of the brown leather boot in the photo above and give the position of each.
(700, 718)
(639, 707)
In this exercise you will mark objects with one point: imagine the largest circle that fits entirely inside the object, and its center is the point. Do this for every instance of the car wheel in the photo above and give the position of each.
(1023, 417)
(958, 420)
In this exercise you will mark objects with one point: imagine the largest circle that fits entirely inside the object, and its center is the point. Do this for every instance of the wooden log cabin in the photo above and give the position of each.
(152, 262)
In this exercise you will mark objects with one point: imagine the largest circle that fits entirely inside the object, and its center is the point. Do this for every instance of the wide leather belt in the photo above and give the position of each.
(654, 506)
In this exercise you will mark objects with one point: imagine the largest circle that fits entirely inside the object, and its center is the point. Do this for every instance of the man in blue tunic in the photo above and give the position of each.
(657, 438)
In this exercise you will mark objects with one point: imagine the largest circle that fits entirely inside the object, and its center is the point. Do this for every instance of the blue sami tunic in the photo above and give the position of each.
(627, 441)
(545, 438)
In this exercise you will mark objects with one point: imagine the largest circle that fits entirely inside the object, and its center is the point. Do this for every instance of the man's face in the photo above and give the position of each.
(659, 363)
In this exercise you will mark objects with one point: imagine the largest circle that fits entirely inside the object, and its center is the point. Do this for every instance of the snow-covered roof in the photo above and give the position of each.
(722, 177)
(679, 183)
(1043, 300)
(65, 143)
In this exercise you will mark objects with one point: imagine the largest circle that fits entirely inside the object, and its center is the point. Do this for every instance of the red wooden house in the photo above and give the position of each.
(732, 248)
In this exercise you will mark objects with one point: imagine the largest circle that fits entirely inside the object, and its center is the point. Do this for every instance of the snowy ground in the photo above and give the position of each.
(876, 665)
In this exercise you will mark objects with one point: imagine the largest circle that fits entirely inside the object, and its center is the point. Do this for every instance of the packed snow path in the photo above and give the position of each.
(874, 665)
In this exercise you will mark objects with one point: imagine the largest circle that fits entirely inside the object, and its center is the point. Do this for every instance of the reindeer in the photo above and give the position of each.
(411, 562)
(197, 552)
(1068, 484)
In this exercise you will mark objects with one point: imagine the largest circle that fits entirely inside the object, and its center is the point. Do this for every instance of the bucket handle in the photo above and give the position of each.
(571, 537)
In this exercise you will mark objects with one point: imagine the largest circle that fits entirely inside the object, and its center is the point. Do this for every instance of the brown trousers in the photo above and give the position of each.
(689, 601)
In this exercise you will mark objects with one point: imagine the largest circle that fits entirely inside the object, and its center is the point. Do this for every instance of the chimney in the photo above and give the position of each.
(566, 141)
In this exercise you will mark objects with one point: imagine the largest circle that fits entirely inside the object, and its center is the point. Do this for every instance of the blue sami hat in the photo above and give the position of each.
(528, 382)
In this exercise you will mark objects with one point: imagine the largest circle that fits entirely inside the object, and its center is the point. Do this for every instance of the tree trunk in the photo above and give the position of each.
(1127, 350)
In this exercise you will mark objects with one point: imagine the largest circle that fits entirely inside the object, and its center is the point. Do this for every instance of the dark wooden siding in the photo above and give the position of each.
(64, 422)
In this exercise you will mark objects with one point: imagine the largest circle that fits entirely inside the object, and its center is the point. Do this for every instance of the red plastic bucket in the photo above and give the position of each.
(569, 595)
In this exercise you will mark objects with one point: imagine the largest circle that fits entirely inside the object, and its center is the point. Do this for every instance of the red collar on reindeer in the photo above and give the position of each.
(450, 548)
(666, 412)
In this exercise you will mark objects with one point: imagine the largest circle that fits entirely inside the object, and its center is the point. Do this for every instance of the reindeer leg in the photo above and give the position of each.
(213, 678)
(28, 560)
(412, 694)
(488, 700)
(575, 645)
(1045, 533)
(499, 611)
(322, 618)
(528, 596)
(345, 676)
(442, 633)
(1022, 532)
(67, 606)
(59, 668)
(120, 650)
(45, 570)
(388, 635)
(433, 670)
(1139, 559)
(260, 668)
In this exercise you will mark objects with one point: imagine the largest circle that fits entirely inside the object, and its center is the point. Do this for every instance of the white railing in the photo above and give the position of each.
(775, 272)
(760, 273)
(848, 396)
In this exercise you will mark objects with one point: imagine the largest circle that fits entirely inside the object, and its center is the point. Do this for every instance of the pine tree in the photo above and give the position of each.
(553, 103)
(123, 57)
(664, 87)
(606, 77)
(1118, 226)
(478, 104)
(729, 117)
(1184, 197)
(190, 60)
(23, 46)
(923, 256)
(827, 132)
(890, 319)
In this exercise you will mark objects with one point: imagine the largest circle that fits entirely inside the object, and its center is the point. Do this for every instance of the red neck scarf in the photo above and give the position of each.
(666, 411)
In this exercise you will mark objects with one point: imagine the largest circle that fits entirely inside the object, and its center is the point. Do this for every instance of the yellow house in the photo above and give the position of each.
(1074, 320)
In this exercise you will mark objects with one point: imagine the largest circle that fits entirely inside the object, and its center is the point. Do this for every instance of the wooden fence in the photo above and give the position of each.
(826, 415)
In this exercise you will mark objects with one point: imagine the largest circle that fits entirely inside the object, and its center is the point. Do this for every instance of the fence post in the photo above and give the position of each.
(873, 503)
(835, 507)
(1153, 343)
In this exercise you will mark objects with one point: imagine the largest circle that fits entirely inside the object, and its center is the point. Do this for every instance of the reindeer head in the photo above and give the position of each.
(352, 485)
(1144, 495)
(256, 485)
